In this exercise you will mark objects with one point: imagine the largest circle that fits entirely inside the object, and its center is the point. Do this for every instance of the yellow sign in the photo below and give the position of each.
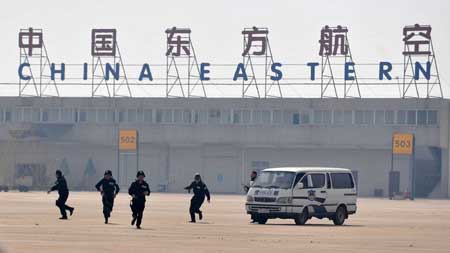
(402, 144)
(128, 139)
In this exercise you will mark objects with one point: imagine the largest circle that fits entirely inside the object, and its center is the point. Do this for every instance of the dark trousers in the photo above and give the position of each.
(61, 203)
(137, 207)
(108, 204)
(196, 203)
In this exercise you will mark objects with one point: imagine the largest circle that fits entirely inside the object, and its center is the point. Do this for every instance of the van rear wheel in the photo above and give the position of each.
(302, 218)
(340, 216)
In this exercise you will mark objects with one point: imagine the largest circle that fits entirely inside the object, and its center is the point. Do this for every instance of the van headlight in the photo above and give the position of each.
(284, 200)
(250, 198)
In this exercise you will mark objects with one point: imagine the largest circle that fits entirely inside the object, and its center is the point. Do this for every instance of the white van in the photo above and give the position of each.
(302, 193)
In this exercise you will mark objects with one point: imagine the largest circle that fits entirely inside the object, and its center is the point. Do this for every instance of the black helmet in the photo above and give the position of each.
(108, 172)
(140, 173)
(58, 173)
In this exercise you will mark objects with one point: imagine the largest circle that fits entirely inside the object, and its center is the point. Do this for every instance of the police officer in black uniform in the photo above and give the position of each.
(200, 191)
(108, 187)
(138, 190)
(63, 191)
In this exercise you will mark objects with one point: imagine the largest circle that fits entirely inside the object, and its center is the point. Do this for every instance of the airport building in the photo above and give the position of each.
(223, 139)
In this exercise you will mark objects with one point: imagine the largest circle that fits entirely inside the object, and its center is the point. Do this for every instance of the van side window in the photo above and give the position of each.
(314, 181)
(298, 177)
(342, 181)
(328, 181)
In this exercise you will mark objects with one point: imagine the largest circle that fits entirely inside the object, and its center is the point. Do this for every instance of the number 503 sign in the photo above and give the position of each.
(403, 143)
(128, 139)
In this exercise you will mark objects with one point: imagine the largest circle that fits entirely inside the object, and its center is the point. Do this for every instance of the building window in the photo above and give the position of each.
(304, 118)
(45, 115)
(132, 115)
(187, 116)
(140, 115)
(246, 116)
(122, 115)
(401, 117)
(265, 117)
(322, 117)
(148, 115)
(368, 117)
(27, 114)
(432, 118)
(18, 113)
(159, 116)
(167, 116)
(178, 116)
(101, 115)
(338, 117)
(317, 117)
(214, 116)
(92, 115)
(296, 118)
(67, 115)
(82, 115)
(379, 117)
(348, 117)
(411, 117)
(257, 117)
(421, 117)
(277, 116)
(363, 117)
(200, 117)
(225, 116)
(36, 114)
(359, 117)
(389, 117)
(287, 117)
(237, 116)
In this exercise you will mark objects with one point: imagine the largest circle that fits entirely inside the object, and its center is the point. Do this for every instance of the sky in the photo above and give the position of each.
(375, 34)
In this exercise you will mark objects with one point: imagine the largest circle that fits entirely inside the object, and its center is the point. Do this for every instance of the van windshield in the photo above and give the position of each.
(275, 179)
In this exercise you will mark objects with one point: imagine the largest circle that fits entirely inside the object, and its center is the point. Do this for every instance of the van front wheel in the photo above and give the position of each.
(301, 219)
(340, 216)
(261, 220)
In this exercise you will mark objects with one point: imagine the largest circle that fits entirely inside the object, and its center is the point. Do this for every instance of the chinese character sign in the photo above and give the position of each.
(333, 41)
(255, 38)
(178, 39)
(419, 37)
(103, 42)
(30, 39)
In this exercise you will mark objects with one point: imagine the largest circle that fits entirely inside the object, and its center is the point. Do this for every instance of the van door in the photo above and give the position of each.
(332, 196)
(313, 194)
(344, 190)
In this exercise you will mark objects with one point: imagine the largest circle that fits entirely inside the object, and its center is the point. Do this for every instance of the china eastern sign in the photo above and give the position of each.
(333, 50)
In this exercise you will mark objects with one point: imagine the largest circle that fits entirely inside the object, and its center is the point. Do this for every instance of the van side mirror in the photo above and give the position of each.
(300, 185)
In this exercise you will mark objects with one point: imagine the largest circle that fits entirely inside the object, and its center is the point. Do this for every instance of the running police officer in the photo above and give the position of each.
(200, 191)
(108, 187)
(63, 191)
(138, 190)
(253, 177)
